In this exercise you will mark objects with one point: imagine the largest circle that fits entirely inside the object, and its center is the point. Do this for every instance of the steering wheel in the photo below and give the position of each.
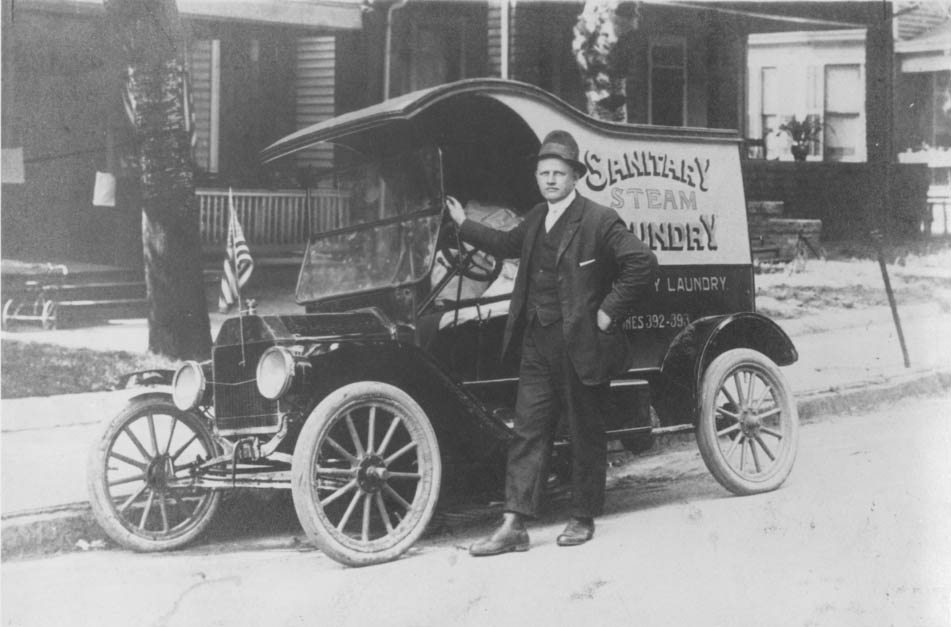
(468, 260)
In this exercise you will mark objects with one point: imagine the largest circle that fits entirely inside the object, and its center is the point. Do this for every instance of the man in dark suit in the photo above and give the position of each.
(580, 273)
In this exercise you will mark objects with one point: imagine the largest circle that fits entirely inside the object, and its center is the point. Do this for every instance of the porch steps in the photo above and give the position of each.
(775, 238)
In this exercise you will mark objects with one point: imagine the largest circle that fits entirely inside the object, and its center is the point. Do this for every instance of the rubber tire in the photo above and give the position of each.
(322, 419)
(716, 374)
(49, 314)
(7, 313)
(99, 500)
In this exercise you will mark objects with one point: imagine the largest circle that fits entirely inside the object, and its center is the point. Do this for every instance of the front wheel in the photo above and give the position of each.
(138, 476)
(366, 473)
(748, 430)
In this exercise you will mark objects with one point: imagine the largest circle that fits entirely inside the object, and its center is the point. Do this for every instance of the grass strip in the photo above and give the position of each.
(37, 369)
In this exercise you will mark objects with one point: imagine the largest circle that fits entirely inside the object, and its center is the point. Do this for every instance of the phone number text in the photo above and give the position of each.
(656, 321)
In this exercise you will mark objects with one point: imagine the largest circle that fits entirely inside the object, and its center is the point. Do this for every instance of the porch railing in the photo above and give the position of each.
(272, 218)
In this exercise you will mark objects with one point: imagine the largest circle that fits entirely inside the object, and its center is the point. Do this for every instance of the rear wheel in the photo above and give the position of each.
(137, 476)
(366, 473)
(748, 430)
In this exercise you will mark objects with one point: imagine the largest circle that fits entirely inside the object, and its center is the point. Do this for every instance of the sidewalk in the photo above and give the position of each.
(847, 360)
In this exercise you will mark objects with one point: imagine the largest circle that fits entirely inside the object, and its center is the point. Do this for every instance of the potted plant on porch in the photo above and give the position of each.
(805, 134)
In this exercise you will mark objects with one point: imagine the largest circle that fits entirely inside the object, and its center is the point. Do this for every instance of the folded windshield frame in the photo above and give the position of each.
(393, 207)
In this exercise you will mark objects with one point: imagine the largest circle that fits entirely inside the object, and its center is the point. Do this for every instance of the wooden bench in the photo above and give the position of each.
(56, 304)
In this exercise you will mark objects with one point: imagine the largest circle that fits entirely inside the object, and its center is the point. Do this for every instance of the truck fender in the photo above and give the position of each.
(462, 423)
(692, 350)
(146, 384)
(152, 394)
(146, 378)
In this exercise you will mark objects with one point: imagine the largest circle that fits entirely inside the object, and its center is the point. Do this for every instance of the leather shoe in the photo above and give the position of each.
(577, 531)
(510, 536)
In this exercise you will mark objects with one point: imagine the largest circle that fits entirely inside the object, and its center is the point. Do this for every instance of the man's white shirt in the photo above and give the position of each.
(556, 209)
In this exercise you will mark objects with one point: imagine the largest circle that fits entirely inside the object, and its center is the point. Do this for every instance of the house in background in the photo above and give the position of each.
(822, 74)
(258, 76)
(924, 91)
(810, 73)
(727, 65)
(687, 64)
(259, 70)
(923, 120)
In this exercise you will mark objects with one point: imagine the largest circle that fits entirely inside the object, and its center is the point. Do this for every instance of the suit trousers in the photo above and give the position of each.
(549, 387)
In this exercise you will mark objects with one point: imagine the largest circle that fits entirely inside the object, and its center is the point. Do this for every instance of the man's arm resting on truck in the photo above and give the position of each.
(502, 244)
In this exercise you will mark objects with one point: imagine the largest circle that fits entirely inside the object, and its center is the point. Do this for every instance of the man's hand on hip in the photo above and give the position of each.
(604, 321)
(456, 212)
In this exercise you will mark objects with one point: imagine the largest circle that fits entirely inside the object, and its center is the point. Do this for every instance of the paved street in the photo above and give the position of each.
(858, 536)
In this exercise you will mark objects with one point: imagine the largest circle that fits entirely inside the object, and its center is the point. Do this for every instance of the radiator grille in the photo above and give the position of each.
(238, 404)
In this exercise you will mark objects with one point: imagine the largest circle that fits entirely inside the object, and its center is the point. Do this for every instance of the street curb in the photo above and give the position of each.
(47, 531)
(73, 527)
(862, 397)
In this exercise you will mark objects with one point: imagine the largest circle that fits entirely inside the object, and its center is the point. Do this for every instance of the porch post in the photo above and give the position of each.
(505, 25)
(879, 111)
(11, 134)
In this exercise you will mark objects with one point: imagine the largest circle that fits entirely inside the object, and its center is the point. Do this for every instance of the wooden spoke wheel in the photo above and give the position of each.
(10, 309)
(366, 473)
(748, 430)
(138, 476)
(48, 315)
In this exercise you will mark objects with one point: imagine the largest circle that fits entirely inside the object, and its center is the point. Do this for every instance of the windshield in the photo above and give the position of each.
(391, 209)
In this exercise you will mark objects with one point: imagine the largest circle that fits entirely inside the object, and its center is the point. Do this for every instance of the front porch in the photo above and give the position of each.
(843, 195)
(276, 223)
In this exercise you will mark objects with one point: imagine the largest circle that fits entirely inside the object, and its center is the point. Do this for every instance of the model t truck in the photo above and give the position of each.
(391, 390)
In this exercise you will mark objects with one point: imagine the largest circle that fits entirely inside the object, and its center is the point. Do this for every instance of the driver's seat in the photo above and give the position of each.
(496, 217)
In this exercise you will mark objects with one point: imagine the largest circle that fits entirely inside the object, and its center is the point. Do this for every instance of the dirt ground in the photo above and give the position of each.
(843, 281)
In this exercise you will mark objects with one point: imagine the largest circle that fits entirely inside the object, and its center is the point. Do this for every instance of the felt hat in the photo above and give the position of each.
(561, 145)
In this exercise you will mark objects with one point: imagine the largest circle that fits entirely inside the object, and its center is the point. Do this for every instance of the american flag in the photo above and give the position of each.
(238, 262)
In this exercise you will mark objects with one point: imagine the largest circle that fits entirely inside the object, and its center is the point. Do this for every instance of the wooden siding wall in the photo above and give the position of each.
(494, 39)
(921, 16)
(842, 195)
(315, 93)
(200, 75)
(64, 92)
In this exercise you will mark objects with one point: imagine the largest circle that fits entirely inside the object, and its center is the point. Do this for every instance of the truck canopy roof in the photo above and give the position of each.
(452, 112)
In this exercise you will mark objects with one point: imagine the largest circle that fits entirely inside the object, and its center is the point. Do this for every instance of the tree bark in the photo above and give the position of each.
(594, 45)
(151, 38)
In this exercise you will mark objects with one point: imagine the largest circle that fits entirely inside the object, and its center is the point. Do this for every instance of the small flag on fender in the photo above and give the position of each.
(238, 262)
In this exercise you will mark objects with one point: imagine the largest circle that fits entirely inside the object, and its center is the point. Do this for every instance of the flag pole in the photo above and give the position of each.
(231, 236)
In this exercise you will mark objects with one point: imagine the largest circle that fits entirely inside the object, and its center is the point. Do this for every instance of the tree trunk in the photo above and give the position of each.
(152, 40)
(607, 99)
(594, 45)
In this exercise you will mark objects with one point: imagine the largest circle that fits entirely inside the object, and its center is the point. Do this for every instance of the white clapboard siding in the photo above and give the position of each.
(495, 38)
(918, 17)
(315, 93)
(200, 74)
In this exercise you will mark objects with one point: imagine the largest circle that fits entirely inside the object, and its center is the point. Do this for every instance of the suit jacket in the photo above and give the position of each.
(600, 265)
